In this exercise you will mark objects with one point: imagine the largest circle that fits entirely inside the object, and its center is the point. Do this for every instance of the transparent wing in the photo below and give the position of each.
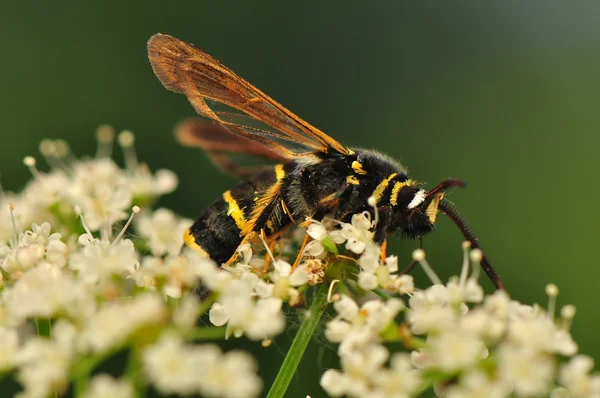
(219, 143)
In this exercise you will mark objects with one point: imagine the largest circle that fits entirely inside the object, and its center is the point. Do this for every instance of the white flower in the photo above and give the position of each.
(150, 270)
(230, 375)
(531, 328)
(257, 318)
(334, 382)
(182, 275)
(45, 291)
(43, 367)
(477, 384)
(528, 373)
(429, 310)
(374, 273)
(178, 368)
(319, 231)
(46, 189)
(163, 230)
(173, 367)
(285, 280)
(34, 246)
(469, 292)
(100, 189)
(453, 350)
(99, 260)
(355, 326)
(575, 377)
(361, 371)
(483, 325)
(367, 281)
(105, 386)
(9, 347)
(358, 234)
(400, 379)
(117, 320)
(143, 184)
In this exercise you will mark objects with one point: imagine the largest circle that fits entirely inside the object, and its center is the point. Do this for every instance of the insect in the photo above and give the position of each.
(315, 175)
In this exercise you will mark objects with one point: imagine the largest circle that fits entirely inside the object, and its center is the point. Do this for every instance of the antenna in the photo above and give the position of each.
(449, 210)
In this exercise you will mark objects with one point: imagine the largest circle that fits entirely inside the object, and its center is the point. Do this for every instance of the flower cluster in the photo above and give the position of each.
(461, 343)
(77, 287)
(74, 292)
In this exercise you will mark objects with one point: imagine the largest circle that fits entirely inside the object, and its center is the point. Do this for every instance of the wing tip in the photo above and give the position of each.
(164, 52)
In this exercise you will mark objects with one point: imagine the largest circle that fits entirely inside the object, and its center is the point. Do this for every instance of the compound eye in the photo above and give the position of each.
(405, 196)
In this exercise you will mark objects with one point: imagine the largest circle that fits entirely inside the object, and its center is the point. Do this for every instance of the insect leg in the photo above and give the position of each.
(335, 199)
(307, 239)
(415, 262)
(382, 229)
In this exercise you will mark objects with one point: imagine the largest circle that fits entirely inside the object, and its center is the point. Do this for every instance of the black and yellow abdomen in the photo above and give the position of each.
(245, 208)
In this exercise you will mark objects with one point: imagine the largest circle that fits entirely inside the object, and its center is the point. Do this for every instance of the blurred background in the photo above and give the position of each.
(504, 95)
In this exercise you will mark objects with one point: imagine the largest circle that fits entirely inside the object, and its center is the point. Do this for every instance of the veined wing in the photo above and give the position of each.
(183, 68)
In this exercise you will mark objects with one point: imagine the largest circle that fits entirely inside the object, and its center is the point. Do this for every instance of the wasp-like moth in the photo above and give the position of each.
(315, 176)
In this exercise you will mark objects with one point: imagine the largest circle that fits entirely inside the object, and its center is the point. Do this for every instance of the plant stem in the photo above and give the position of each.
(294, 355)
(133, 371)
(82, 370)
(207, 333)
(381, 293)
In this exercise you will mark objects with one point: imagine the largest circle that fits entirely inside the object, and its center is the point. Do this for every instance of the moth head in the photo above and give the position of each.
(419, 208)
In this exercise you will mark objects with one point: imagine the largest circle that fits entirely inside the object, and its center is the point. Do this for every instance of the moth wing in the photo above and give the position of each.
(248, 112)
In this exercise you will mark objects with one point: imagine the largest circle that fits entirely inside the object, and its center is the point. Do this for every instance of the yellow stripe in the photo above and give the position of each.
(234, 210)
(279, 172)
(270, 226)
(190, 241)
(259, 203)
(357, 167)
(352, 180)
(378, 192)
(396, 190)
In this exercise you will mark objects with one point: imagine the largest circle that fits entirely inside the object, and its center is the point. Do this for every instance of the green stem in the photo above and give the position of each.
(133, 372)
(43, 327)
(294, 355)
(82, 370)
(381, 293)
(206, 333)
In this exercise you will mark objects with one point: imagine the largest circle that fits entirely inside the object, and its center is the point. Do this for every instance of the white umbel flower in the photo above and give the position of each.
(576, 378)
(100, 189)
(43, 367)
(99, 260)
(526, 372)
(116, 321)
(429, 310)
(285, 280)
(34, 246)
(105, 386)
(178, 368)
(163, 231)
(358, 233)
(9, 347)
(45, 291)
(173, 367)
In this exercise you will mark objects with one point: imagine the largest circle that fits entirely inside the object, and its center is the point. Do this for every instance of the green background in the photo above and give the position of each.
(502, 94)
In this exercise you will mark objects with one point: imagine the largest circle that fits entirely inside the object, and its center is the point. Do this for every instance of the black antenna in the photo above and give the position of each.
(444, 185)
(449, 210)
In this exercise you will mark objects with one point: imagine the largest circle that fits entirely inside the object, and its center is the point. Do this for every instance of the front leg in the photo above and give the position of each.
(382, 229)
(334, 203)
